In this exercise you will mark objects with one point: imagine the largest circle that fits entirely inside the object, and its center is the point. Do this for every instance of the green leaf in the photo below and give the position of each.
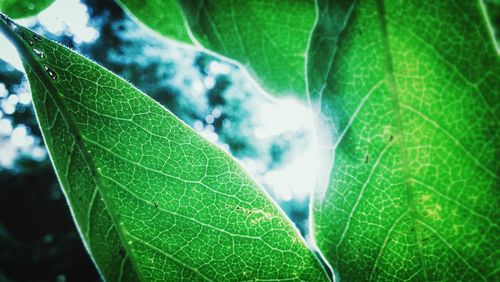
(163, 16)
(268, 38)
(21, 9)
(153, 200)
(411, 98)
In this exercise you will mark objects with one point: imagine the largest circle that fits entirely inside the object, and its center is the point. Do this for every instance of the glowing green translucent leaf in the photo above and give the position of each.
(411, 98)
(21, 9)
(269, 38)
(152, 199)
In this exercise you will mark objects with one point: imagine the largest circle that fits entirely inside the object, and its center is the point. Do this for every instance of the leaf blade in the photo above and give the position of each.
(268, 39)
(413, 174)
(152, 199)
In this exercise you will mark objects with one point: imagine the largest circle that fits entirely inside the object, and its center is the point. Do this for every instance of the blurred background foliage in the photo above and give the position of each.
(273, 139)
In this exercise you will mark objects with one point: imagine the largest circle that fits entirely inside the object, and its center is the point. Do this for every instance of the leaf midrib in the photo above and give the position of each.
(409, 179)
(391, 85)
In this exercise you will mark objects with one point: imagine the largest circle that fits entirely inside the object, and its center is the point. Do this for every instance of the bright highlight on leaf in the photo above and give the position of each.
(153, 200)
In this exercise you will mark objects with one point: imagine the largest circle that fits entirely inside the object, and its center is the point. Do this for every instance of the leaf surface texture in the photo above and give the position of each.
(153, 200)
(411, 99)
